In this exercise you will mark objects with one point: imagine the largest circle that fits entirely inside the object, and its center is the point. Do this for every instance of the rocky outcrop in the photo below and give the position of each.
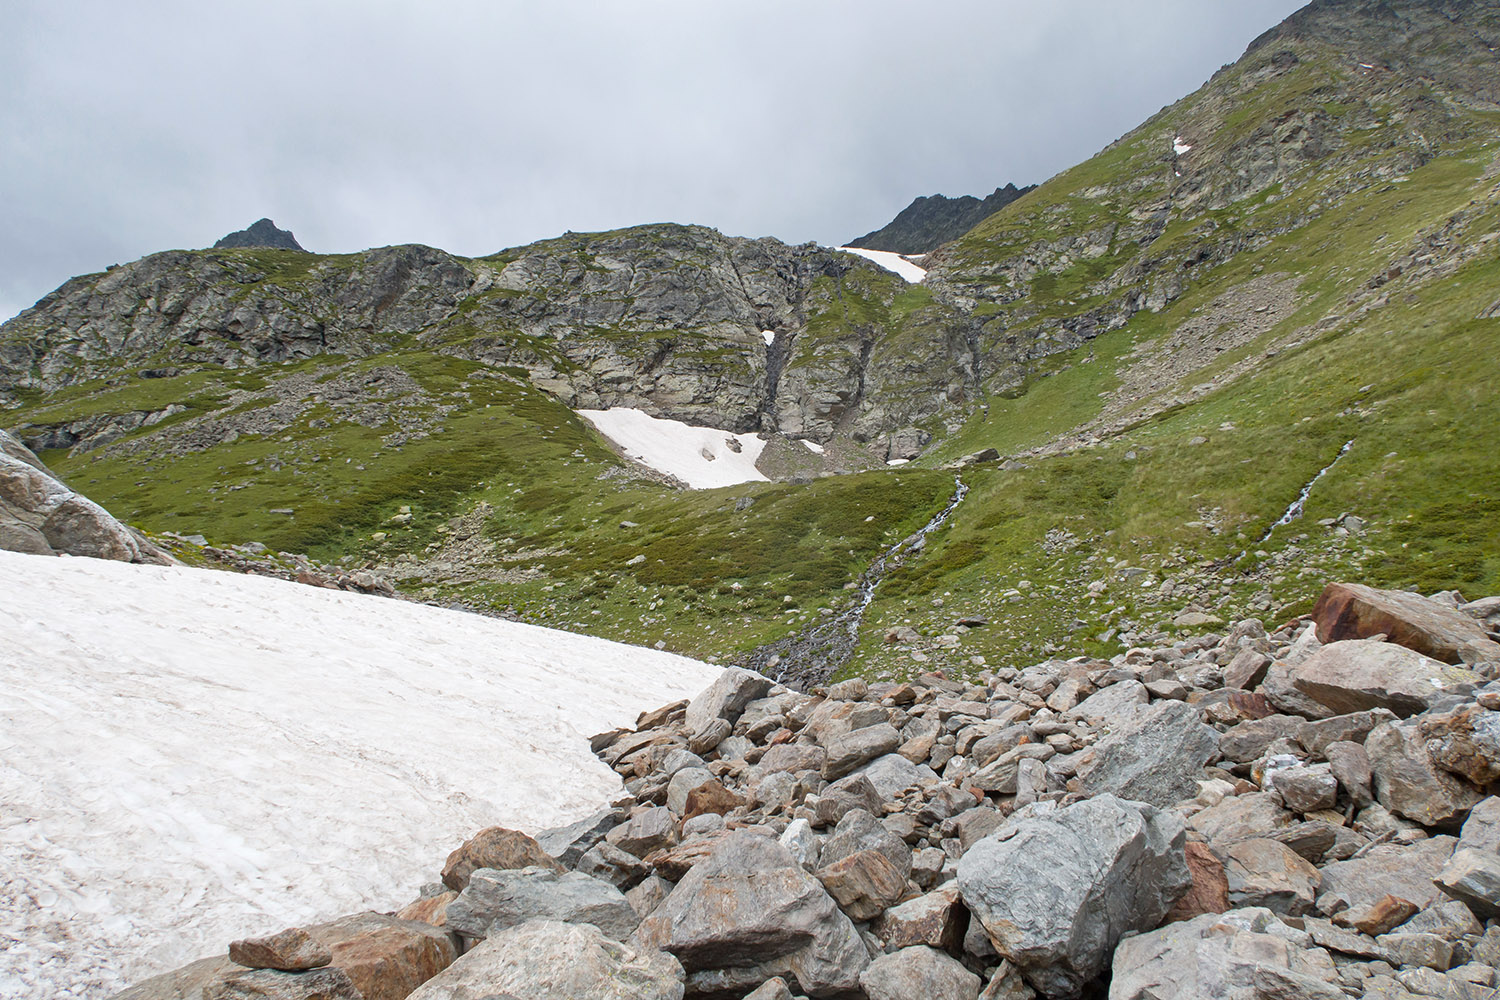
(41, 515)
(1352, 611)
(262, 234)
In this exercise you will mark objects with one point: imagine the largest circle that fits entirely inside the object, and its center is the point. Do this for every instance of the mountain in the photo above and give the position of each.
(261, 234)
(1246, 347)
(929, 222)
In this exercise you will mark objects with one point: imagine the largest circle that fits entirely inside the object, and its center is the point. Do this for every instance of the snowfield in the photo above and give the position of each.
(891, 262)
(189, 756)
(702, 457)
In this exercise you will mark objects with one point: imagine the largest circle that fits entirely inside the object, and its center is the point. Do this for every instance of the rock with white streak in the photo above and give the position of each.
(1409, 783)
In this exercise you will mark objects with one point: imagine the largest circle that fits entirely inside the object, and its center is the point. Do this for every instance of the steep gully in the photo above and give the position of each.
(809, 658)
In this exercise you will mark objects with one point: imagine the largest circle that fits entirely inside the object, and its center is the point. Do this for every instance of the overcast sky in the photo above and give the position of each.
(127, 128)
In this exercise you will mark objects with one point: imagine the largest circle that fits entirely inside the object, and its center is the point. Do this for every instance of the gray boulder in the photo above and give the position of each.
(1360, 674)
(550, 960)
(569, 843)
(1351, 889)
(1263, 872)
(496, 899)
(1481, 831)
(749, 912)
(855, 749)
(268, 984)
(1245, 954)
(726, 697)
(1056, 889)
(1155, 755)
(918, 972)
(1409, 783)
(1473, 877)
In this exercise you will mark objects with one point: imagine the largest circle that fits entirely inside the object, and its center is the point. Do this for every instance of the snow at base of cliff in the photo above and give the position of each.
(891, 262)
(189, 756)
(702, 457)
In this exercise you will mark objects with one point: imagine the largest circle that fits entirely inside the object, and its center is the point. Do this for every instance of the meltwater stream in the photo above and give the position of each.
(1293, 511)
(810, 657)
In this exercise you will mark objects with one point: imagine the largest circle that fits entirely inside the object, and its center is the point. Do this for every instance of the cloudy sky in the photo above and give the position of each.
(475, 125)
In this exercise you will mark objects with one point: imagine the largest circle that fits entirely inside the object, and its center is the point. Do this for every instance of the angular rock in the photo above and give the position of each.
(893, 774)
(750, 910)
(1409, 784)
(1056, 889)
(648, 830)
(1316, 735)
(1360, 674)
(711, 798)
(549, 960)
(607, 863)
(269, 984)
(1305, 788)
(859, 747)
(1269, 874)
(494, 847)
(566, 844)
(1473, 878)
(385, 957)
(1246, 670)
(938, 920)
(1240, 955)
(1248, 740)
(799, 839)
(496, 899)
(1427, 950)
(1007, 984)
(1465, 742)
(683, 782)
(186, 983)
(1387, 913)
(1350, 766)
(774, 988)
(1481, 831)
(1354, 611)
(1351, 889)
(1310, 840)
(859, 831)
(726, 698)
(864, 884)
(1241, 816)
(918, 972)
(1112, 704)
(291, 950)
(844, 796)
(1209, 892)
(793, 758)
(1154, 756)
(672, 863)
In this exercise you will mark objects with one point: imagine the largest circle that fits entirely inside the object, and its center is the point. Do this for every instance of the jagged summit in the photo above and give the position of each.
(931, 221)
(262, 234)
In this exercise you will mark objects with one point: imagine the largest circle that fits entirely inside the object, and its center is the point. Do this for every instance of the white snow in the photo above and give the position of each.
(189, 756)
(897, 461)
(702, 457)
(891, 262)
(813, 446)
(769, 336)
(1179, 147)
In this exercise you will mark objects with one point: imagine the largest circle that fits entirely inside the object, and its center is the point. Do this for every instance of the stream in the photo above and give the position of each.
(807, 659)
(1293, 511)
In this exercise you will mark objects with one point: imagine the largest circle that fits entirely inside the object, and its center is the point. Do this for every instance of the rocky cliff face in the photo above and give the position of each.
(931, 221)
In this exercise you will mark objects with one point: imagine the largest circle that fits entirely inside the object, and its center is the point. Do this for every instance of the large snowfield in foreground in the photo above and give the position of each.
(702, 457)
(190, 756)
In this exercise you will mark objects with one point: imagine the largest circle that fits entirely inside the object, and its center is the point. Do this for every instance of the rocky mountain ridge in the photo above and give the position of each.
(932, 220)
(1306, 812)
(263, 234)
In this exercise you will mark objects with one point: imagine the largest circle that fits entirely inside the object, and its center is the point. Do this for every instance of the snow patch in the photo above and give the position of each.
(891, 262)
(1179, 147)
(813, 446)
(898, 461)
(769, 336)
(702, 457)
(193, 756)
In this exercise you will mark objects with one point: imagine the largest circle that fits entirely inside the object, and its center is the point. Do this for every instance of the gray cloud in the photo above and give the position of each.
(473, 126)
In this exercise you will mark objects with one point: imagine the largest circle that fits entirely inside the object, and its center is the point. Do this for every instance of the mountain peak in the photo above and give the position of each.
(933, 220)
(261, 234)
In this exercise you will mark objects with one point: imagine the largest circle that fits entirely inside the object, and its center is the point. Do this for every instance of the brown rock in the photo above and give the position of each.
(1210, 889)
(291, 950)
(1247, 669)
(494, 847)
(672, 863)
(1387, 912)
(1358, 674)
(385, 957)
(1352, 611)
(1465, 742)
(1410, 784)
(429, 910)
(674, 712)
(865, 883)
(937, 920)
(710, 798)
(1264, 872)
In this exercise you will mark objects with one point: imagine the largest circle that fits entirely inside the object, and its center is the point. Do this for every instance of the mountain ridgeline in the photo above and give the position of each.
(1248, 346)
(931, 221)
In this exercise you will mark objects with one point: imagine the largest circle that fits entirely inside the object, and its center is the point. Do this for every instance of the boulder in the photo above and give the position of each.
(748, 912)
(1209, 892)
(1056, 889)
(1360, 674)
(1248, 740)
(1350, 767)
(1410, 784)
(918, 972)
(328, 983)
(791, 757)
(291, 950)
(1481, 831)
(568, 843)
(550, 960)
(648, 830)
(1245, 954)
(1241, 816)
(1265, 873)
(496, 899)
(1317, 735)
(1112, 704)
(893, 774)
(1352, 889)
(1465, 742)
(1154, 756)
(937, 920)
(774, 988)
(860, 831)
(1353, 611)
(726, 698)
(385, 957)
(1305, 788)
(494, 847)
(1473, 878)
(865, 883)
(858, 748)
